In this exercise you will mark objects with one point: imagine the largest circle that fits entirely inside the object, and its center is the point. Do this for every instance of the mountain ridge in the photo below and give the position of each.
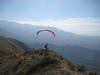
(19, 31)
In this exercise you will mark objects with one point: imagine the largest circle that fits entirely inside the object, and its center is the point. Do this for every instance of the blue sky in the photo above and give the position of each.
(76, 13)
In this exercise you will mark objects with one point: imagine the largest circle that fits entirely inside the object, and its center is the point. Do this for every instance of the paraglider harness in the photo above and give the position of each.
(46, 45)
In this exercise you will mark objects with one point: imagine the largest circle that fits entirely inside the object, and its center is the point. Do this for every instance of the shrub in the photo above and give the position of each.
(41, 64)
(81, 68)
(68, 73)
(46, 61)
(71, 66)
(93, 73)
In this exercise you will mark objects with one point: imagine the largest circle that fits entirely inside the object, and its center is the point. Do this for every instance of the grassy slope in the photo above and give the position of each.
(35, 62)
(8, 46)
(14, 61)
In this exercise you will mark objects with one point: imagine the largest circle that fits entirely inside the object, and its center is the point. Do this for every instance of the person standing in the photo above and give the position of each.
(46, 47)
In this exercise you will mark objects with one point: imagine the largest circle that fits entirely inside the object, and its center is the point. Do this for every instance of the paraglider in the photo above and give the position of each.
(46, 45)
(47, 31)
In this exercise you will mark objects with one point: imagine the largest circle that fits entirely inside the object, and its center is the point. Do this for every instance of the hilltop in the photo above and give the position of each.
(16, 58)
(35, 62)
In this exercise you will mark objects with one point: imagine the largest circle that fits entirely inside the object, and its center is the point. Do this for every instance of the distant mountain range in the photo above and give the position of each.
(77, 48)
(27, 34)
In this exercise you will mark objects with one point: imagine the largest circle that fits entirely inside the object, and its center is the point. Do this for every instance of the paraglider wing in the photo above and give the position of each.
(46, 30)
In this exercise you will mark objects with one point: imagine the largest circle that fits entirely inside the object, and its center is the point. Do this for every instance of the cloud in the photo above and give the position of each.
(83, 26)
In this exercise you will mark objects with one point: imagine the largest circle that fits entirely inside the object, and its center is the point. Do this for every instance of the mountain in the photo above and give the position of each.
(9, 46)
(77, 48)
(35, 62)
(76, 54)
(27, 34)
(18, 59)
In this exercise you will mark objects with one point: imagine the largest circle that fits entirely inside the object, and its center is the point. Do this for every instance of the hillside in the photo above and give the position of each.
(70, 46)
(78, 49)
(35, 62)
(18, 59)
(76, 54)
(9, 46)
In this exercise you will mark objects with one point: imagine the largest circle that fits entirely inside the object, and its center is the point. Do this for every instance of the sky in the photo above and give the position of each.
(77, 16)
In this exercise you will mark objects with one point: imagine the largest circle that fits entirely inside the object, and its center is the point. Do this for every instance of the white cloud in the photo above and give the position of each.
(84, 26)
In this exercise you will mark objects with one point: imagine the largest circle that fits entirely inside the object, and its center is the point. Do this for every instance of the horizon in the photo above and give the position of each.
(18, 22)
(80, 17)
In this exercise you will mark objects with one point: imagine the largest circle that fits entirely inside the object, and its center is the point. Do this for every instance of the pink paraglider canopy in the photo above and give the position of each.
(47, 31)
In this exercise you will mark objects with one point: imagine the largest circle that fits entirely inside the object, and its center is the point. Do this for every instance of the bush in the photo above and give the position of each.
(46, 61)
(93, 73)
(81, 68)
(68, 73)
(71, 66)
(40, 65)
